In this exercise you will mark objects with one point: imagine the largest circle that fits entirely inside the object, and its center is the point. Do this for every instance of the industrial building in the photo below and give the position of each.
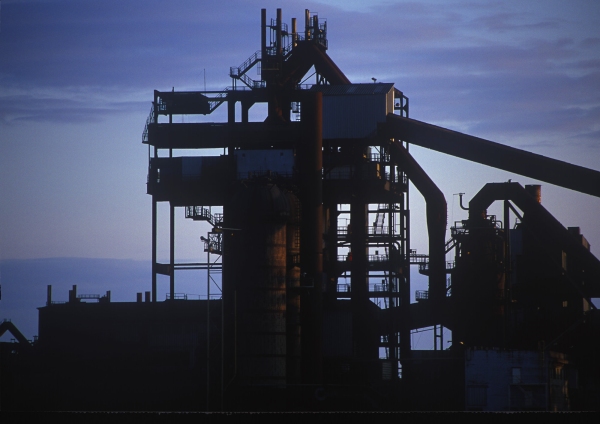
(311, 239)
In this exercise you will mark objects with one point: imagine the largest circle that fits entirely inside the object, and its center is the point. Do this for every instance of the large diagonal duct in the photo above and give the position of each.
(499, 156)
(305, 55)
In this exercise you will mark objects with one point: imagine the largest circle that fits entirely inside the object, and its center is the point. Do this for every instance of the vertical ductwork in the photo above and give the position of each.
(436, 228)
(436, 221)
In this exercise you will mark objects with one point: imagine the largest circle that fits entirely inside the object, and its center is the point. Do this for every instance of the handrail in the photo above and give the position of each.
(252, 83)
(88, 296)
(371, 230)
(218, 99)
(422, 294)
(424, 266)
(201, 212)
(198, 211)
(450, 244)
(244, 67)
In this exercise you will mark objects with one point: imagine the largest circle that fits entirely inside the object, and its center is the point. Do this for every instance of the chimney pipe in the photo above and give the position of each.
(306, 24)
(263, 37)
(278, 34)
(73, 294)
(535, 190)
(294, 33)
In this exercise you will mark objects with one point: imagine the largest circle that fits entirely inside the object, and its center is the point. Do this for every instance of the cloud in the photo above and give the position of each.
(122, 44)
(505, 22)
(31, 108)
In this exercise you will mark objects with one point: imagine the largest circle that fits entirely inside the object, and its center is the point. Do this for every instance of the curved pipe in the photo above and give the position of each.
(436, 220)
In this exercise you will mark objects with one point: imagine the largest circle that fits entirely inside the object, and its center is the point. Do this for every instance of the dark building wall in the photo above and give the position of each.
(126, 356)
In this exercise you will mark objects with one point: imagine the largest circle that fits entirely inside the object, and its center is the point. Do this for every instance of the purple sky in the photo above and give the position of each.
(77, 81)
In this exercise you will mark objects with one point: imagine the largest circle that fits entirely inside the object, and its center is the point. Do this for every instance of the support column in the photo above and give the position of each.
(359, 281)
(330, 257)
(153, 249)
(172, 251)
(245, 109)
(507, 275)
(230, 110)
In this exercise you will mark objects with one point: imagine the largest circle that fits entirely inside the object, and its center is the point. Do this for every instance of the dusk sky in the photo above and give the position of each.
(77, 81)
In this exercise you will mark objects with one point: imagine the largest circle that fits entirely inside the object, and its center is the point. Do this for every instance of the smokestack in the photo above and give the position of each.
(49, 297)
(73, 294)
(278, 34)
(306, 24)
(147, 296)
(263, 37)
(139, 297)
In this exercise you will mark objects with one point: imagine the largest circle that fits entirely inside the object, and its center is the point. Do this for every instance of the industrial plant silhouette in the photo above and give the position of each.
(317, 191)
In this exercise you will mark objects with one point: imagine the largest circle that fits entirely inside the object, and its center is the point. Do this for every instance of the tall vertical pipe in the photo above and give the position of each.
(278, 35)
(306, 24)
(263, 37)
(294, 33)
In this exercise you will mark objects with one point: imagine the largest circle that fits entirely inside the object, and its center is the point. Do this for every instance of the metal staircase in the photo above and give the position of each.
(379, 219)
(239, 72)
(200, 213)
